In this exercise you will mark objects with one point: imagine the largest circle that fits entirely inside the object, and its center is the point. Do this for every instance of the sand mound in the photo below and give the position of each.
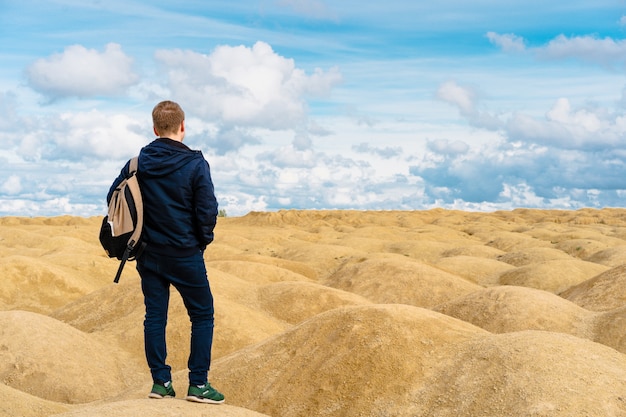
(533, 256)
(15, 403)
(339, 219)
(39, 285)
(509, 309)
(326, 258)
(423, 251)
(600, 293)
(476, 251)
(529, 373)
(256, 272)
(610, 329)
(294, 302)
(554, 276)
(163, 408)
(103, 307)
(509, 241)
(611, 257)
(298, 268)
(117, 312)
(581, 248)
(33, 359)
(395, 280)
(477, 270)
(354, 358)
(325, 313)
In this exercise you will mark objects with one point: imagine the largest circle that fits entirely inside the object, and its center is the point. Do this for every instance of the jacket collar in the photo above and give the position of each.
(172, 142)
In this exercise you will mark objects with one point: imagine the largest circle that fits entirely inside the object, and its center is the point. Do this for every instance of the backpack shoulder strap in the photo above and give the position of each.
(132, 167)
(133, 186)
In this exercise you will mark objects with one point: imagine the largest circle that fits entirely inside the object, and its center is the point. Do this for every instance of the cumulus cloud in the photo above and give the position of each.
(507, 42)
(289, 157)
(100, 135)
(590, 129)
(77, 136)
(606, 52)
(465, 99)
(288, 177)
(82, 72)
(555, 161)
(461, 97)
(12, 186)
(385, 153)
(479, 175)
(521, 195)
(302, 141)
(447, 147)
(10, 118)
(571, 156)
(253, 87)
(231, 139)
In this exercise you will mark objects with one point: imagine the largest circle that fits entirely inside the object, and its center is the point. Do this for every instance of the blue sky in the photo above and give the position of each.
(312, 104)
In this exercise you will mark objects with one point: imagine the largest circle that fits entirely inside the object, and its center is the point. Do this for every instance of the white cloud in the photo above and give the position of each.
(8, 104)
(229, 139)
(606, 51)
(82, 72)
(465, 99)
(78, 136)
(588, 120)
(507, 42)
(11, 186)
(385, 153)
(461, 97)
(314, 180)
(568, 128)
(290, 157)
(244, 86)
(100, 135)
(521, 195)
(447, 147)
(27, 207)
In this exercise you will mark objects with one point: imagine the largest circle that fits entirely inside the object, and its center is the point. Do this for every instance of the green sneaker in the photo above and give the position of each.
(204, 394)
(165, 390)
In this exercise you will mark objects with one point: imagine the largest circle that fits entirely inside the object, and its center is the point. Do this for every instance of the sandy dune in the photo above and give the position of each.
(333, 313)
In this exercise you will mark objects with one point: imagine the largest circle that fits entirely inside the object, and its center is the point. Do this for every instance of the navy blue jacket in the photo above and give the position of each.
(180, 208)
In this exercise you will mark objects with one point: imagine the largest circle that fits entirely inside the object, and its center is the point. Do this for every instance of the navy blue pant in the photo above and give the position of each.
(188, 275)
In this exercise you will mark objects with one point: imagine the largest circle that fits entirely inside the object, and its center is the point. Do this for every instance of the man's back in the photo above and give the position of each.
(180, 208)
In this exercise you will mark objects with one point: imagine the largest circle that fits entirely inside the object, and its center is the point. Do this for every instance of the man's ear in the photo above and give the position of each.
(155, 131)
(182, 126)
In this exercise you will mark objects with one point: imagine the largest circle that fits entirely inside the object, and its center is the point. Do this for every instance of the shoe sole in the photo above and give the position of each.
(159, 396)
(195, 399)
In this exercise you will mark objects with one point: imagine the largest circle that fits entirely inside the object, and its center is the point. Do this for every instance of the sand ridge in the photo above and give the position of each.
(333, 313)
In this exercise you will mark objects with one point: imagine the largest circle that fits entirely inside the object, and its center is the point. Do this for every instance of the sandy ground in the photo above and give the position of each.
(333, 313)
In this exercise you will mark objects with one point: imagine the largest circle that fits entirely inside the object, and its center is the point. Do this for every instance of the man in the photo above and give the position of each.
(180, 213)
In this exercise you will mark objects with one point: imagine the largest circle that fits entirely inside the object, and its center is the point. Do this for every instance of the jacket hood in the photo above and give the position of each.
(164, 156)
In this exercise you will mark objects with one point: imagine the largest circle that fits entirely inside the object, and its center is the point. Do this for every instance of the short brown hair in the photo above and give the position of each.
(167, 117)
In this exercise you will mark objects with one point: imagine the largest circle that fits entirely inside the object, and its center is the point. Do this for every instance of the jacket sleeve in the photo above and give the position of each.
(118, 180)
(205, 204)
